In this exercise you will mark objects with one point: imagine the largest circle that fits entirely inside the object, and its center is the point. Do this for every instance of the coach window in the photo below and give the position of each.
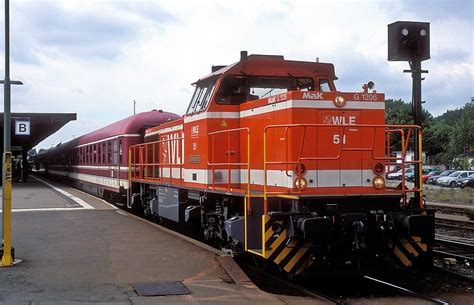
(104, 153)
(109, 152)
(115, 151)
(120, 151)
(202, 95)
(99, 154)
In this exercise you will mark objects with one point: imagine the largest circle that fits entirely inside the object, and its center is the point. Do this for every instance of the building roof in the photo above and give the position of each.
(42, 125)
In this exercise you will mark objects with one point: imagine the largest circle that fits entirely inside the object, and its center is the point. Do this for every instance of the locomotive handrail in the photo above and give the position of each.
(144, 165)
(230, 164)
(342, 130)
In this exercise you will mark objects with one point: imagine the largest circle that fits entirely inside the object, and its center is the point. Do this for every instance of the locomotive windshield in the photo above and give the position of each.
(237, 89)
(202, 95)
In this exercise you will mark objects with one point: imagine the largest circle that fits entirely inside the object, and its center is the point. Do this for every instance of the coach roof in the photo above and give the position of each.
(134, 124)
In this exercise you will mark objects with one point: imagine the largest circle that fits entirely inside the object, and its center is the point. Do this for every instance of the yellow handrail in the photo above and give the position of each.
(386, 157)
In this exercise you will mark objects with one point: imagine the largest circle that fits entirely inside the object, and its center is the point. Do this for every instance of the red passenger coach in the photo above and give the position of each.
(98, 161)
(271, 159)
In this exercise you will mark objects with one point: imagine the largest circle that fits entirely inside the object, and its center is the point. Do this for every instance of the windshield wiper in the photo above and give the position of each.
(267, 93)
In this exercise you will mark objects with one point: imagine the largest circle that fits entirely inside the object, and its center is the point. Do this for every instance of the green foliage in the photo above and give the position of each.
(461, 163)
(444, 137)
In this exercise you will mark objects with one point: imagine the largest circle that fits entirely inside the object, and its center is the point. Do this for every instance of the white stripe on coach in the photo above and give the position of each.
(99, 180)
(165, 130)
(95, 167)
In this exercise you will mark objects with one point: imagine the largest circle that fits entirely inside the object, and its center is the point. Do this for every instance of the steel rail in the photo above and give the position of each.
(450, 254)
(311, 293)
(454, 245)
(457, 224)
(406, 291)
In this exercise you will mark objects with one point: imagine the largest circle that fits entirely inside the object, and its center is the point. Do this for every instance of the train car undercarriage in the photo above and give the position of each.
(304, 236)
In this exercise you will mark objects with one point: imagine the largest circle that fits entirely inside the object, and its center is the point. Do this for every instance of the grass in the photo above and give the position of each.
(450, 195)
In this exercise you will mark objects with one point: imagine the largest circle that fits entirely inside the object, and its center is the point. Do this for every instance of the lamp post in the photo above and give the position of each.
(7, 259)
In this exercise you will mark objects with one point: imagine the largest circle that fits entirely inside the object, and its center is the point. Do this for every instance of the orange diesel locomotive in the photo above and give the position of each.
(271, 159)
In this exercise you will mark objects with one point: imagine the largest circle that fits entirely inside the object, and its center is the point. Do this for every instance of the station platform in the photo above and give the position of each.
(79, 249)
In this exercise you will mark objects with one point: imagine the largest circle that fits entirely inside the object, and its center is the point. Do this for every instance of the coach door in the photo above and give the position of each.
(117, 148)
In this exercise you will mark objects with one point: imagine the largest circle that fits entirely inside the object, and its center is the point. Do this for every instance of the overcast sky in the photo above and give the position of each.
(94, 58)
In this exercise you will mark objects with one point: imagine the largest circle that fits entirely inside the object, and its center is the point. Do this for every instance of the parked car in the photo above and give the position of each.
(394, 168)
(432, 179)
(398, 175)
(424, 178)
(453, 177)
(424, 171)
(465, 182)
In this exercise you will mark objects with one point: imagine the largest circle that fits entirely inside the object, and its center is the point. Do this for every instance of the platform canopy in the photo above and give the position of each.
(29, 129)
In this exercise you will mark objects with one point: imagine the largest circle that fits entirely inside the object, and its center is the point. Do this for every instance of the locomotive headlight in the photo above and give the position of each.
(300, 169)
(301, 183)
(339, 101)
(379, 182)
(378, 168)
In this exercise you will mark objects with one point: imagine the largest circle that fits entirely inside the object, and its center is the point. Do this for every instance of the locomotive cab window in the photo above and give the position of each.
(237, 89)
(324, 85)
(202, 95)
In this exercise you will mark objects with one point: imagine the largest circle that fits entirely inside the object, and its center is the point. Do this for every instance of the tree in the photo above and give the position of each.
(397, 112)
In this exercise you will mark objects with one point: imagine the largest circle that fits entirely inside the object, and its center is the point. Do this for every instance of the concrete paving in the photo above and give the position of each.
(77, 255)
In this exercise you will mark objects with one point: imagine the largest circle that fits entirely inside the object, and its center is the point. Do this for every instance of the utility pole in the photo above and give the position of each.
(134, 103)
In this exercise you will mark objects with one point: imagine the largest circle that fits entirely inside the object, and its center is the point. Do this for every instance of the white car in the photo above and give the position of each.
(450, 180)
(398, 175)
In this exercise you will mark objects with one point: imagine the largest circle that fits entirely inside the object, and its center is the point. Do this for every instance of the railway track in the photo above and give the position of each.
(402, 290)
(279, 285)
(465, 225)
(335, 292)
(460, 249)
(449, 208)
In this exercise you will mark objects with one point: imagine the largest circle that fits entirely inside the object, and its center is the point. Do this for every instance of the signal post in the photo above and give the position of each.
(410, 41)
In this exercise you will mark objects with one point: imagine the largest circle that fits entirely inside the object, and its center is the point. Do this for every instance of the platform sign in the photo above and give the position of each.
(22, 127)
